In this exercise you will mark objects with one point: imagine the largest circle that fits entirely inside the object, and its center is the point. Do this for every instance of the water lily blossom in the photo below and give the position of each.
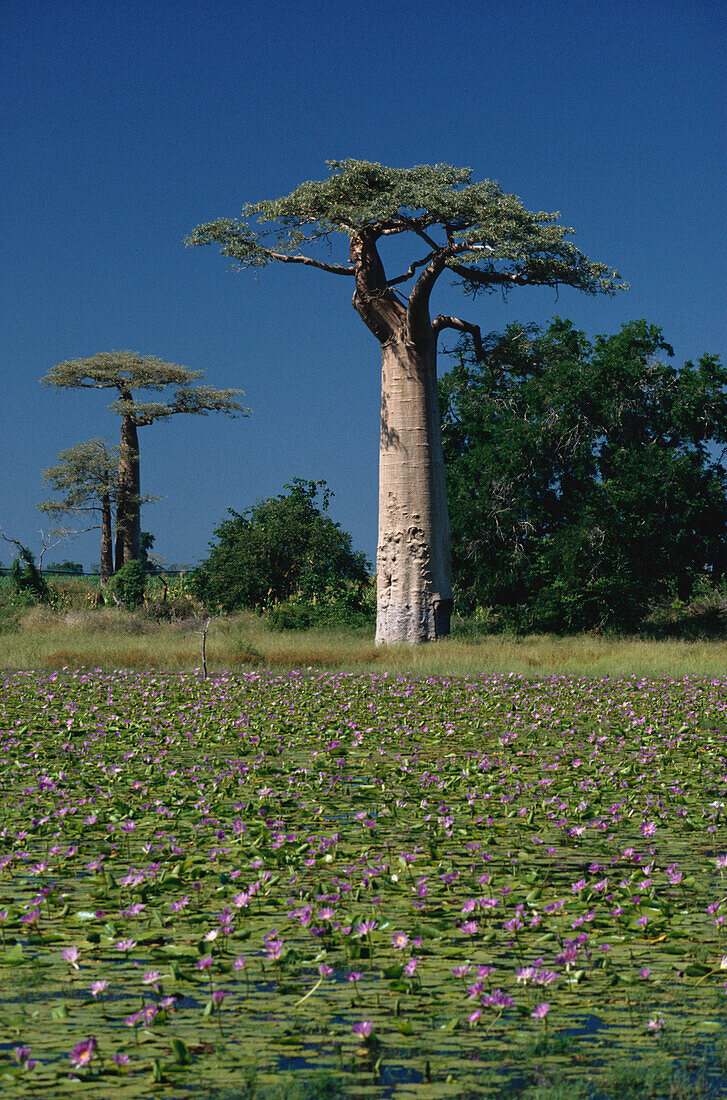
(83, 1052)
(71, 956)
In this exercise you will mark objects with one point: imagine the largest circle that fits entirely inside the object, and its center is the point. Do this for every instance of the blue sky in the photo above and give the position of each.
(127, 123)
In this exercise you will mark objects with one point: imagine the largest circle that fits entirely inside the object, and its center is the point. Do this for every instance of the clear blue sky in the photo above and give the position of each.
(125, 123)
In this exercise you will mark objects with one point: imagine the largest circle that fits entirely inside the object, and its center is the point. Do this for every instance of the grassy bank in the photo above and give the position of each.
(111, 638)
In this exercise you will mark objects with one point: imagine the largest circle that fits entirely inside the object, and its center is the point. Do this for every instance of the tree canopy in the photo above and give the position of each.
(127, 371)
(281, 547)
(485, 237)
(85, 476)
(585, 478)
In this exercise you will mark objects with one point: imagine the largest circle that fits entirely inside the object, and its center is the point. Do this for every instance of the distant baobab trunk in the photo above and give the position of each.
(107, 545)
(128, 509)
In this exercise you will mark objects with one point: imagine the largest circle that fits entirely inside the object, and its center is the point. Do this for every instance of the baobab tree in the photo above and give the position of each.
(125, 372)
(87, 479)
(484, 238)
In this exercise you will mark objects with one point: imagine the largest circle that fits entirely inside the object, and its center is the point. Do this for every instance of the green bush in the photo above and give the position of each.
(704, 616)
(26, 579)
(128, 584)
(291, 615)
(12, 606)
(285, 548)
(354, 609)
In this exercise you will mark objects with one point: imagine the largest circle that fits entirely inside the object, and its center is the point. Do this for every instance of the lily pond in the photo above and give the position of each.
(361, 885)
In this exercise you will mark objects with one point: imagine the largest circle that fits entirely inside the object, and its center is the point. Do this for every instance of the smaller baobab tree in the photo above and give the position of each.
(127, 372)
(87, 479)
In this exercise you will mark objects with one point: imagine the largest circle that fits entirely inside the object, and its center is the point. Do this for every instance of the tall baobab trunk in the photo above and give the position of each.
(413, 565)
(107, 546)
(128, 520)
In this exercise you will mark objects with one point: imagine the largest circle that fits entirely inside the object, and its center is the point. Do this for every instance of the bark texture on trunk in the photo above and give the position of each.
(107, 546)
(128, 519)
(413, 561)
(413, 565)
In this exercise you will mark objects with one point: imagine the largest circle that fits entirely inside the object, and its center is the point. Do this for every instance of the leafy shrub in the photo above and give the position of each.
(353, 608)
(128, 584)
(291, 615)
(704, 616)
(74, 592)
(27, 579)
(12, 606)
(58, 598)
(283, 548)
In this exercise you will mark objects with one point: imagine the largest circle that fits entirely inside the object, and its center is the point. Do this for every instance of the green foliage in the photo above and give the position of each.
(126, 371)
(25, 578)
(282, 547)
(354, 608)
(146, 541)
(85, 475)
(12, 606)
(702, 616)
(128, 584)
(74, 568)
(582, 482)
(490, 235)
(480, 623)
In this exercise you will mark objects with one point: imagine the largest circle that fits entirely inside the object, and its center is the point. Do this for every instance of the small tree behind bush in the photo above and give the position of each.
(25, 577)
(354, 609)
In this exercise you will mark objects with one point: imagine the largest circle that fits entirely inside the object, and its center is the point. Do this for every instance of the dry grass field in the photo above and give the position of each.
(112, 638)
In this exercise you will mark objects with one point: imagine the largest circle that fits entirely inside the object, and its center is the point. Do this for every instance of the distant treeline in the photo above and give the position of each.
(587, 482)
(5, 571)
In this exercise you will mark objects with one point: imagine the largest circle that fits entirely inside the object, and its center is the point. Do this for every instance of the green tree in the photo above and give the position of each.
(87, 477)
(146, 541)
(126, 372)
(127, 584)
(281, 547)
(474, 232)
(582, 479)
(72, 567)
(27, 579)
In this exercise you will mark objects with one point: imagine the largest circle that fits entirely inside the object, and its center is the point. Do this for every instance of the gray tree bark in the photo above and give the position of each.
(413, 561)
(413, 564)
